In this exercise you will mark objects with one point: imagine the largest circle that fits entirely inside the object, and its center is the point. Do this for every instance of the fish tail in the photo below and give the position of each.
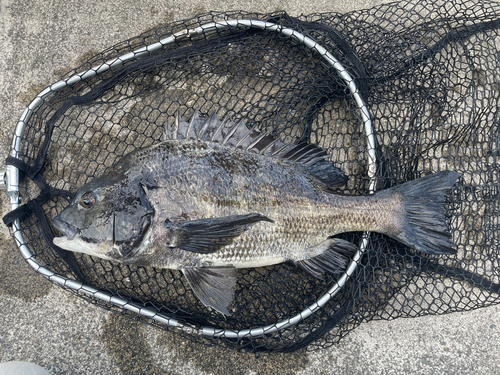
(424, 226)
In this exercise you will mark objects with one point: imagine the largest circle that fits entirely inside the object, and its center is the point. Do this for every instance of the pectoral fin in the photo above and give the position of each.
(208, 235)
(214, 286)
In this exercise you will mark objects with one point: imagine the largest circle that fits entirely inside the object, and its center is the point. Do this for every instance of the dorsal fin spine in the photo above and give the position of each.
(175, 128)
(166, 131)
(259, 138)
(191, 123)
(305, 155)
(271, 144)
(219, 128)
(311, 154)
(277, 152)
(231, 131)
(205, 125)
(313, 161)
(246, 135)
(293, 153)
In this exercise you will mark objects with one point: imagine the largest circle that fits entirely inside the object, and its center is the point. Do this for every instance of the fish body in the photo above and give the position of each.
(215, 196)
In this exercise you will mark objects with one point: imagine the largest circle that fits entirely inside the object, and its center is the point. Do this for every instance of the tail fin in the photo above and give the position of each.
(425, 228)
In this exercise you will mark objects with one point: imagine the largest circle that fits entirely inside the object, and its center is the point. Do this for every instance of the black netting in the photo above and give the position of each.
(428, 74)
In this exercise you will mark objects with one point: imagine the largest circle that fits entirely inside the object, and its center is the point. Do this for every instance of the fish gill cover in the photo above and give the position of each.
(427, 72)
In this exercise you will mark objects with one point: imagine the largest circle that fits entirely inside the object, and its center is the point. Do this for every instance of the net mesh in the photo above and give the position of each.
(427, 72)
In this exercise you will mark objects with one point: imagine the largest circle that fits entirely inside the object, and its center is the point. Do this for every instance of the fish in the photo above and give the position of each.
(215, 195)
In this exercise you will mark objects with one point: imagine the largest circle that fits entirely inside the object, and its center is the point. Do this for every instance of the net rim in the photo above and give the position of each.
(13, 179)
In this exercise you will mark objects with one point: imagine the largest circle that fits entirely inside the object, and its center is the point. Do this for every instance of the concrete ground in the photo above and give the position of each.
(41, 323)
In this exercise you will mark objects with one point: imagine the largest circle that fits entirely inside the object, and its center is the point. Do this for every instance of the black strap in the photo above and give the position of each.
(46, 191)
(461, 274)
(349, 54)
(452, 36)
(34, 207)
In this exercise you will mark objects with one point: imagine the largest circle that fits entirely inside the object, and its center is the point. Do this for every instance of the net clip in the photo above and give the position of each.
(11, 183)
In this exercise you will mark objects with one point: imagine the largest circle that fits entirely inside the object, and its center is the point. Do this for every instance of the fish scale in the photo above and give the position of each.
(215, 196)
(300, 230)
(255, 199)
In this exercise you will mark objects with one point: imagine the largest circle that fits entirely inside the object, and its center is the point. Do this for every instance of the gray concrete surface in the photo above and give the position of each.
(41, 323)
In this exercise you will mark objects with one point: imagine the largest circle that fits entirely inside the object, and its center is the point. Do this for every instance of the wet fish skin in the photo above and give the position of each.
(304, 214)
(209, 181)
(209, 201)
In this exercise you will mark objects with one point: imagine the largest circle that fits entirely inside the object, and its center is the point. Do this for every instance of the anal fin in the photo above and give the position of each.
(334, 258)
(214, 286)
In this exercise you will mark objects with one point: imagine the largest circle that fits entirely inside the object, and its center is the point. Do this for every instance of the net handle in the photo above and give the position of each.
(13, 179)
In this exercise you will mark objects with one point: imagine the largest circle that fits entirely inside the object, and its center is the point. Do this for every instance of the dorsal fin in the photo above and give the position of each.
(236, 134)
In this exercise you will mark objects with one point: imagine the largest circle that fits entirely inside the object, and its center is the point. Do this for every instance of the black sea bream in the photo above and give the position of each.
(215, 196)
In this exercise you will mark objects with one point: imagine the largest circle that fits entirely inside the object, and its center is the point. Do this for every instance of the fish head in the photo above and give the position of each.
(109, 221)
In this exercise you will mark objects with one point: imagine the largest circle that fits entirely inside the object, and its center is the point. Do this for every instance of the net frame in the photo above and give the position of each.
(13, 183)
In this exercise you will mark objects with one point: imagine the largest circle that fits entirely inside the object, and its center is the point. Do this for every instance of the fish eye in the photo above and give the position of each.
(88, 200)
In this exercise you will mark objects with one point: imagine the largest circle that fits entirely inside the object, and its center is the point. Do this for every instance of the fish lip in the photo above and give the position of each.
(70, 231)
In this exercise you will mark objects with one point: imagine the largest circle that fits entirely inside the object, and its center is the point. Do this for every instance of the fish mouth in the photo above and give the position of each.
(68, 230)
